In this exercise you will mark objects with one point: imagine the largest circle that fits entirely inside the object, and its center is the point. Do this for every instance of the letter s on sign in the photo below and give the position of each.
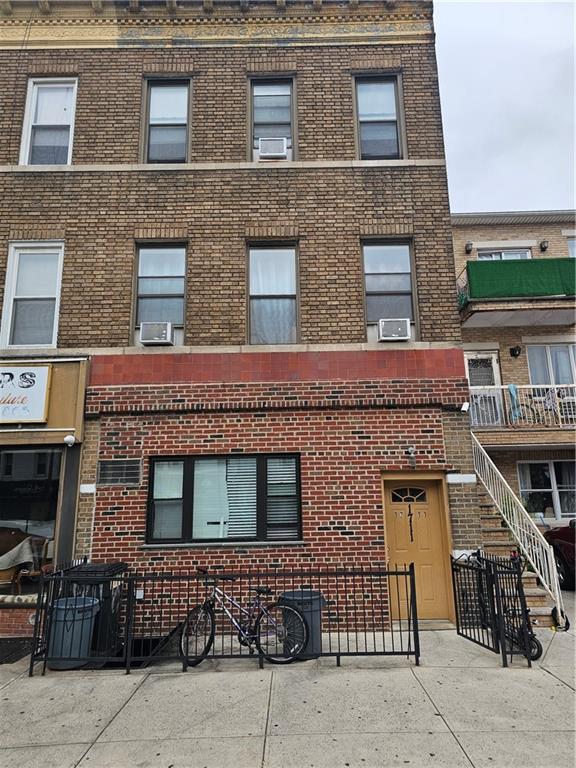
(27, 380)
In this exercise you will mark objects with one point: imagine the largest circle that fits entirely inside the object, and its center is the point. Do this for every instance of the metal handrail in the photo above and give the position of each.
(542, 406)
(532, 544)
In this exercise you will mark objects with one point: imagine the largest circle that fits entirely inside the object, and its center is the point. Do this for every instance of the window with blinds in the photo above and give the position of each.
(237, 498)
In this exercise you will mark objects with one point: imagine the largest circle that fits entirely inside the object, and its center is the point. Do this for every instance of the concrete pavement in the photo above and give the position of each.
(459, 709)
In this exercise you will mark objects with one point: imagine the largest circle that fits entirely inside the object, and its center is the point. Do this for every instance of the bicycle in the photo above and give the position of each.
(279, 632)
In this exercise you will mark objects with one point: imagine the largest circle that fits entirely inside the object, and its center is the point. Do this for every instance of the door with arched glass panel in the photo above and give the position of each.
(416, 533)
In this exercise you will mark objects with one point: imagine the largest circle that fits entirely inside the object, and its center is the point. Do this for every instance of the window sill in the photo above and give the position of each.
(228, 544)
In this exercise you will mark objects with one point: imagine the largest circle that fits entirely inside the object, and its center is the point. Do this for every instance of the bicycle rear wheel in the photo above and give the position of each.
(281, 633)
(197, 634)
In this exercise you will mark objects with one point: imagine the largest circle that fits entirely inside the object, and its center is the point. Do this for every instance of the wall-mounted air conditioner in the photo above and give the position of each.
(272, 149)
(394, 329)
(156, 334)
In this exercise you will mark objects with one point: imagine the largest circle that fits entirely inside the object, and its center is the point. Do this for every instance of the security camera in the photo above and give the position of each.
(465, 407)
(69, 440)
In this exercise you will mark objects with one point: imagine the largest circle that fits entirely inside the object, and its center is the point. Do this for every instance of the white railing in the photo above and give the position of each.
(547, 406)
(530, 541)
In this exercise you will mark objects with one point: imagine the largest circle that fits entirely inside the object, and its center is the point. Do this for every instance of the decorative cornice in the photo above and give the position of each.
(513, 217)
(103, 30)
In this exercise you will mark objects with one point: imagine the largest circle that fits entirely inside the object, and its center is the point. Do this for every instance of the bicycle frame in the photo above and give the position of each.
(220, 598)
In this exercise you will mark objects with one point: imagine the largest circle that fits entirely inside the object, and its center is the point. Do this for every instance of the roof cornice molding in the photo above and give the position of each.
(514, 217)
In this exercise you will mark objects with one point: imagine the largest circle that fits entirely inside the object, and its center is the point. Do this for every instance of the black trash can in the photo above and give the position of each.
(101, 581)
(310, 603)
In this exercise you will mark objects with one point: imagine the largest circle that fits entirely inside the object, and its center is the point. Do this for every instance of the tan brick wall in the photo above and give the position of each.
(86, 501)
(328, 210)
(507, 461)
(557, 248)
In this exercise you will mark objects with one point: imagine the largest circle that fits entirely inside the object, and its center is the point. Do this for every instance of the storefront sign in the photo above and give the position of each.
(24, 393)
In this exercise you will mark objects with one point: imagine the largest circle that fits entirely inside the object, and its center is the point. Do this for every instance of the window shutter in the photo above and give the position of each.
(241, 485)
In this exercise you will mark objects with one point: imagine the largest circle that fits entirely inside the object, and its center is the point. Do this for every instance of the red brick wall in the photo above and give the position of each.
(17, 622)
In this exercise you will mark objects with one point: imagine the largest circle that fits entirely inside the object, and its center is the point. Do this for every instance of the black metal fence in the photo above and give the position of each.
(129, 619)
(491, 606)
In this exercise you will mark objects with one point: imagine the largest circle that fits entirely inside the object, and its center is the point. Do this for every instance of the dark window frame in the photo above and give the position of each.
(188, 498)
(142, 244)
(151, 82)
(271, 79)
(395, 79)
(413, 287)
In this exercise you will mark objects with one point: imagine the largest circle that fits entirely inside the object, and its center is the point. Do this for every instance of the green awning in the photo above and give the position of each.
(522, 278)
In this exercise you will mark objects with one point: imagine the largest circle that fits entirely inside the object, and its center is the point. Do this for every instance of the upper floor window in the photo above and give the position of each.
(273, 311)
(225, 497)
(168, 110)
(388, 281)
(161, 286)
(32, 295)
(377, 109)
(572, 247)
(272, 134)
(49, 122)
(509, 254)
(552, 363)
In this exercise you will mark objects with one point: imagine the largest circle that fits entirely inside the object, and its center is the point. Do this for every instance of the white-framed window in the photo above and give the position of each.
(506, 254)
(168, 118)
(548, 488)
(32, 295)
(572, 247)
(48, 130)
(377, 111)
(161, 288)
(552, 363)
(272, 116)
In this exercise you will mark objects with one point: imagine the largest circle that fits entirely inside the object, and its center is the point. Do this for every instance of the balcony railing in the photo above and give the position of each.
(545, 406)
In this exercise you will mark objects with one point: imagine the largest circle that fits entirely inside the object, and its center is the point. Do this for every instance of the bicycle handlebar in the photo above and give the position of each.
(220, 576)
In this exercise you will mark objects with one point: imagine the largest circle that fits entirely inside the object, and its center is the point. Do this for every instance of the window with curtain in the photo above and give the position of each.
(552, 363)
(161, 285)
(388, 281)
(572, 247)
(377, 109)
(244, 498)
(510, 254)
(273, 309)
(49, 122)
(32, 295)
(548, 488)
(271, 113)
(168, 121)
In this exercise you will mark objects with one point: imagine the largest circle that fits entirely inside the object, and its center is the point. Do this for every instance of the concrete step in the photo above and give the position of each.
(541, 616)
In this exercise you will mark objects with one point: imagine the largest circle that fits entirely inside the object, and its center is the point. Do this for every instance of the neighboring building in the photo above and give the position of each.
(516, 282)
(268, 178)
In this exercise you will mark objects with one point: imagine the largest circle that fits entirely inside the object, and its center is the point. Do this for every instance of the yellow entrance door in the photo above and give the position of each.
(415, 533)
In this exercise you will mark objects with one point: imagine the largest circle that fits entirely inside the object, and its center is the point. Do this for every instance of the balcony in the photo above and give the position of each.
(543, 407)
(494, 294)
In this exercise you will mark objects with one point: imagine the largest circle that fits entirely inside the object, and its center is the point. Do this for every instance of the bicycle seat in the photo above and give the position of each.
(264, 591)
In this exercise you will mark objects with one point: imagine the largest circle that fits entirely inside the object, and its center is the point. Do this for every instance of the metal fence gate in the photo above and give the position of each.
(491, 606)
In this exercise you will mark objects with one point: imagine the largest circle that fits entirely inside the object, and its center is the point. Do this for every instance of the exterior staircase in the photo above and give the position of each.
(497, 540)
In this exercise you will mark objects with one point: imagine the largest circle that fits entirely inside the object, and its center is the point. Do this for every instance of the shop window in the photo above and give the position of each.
(119, 472)
(49, 122)
(273, 305)
(243, 498)
(167, 124)
(272, 132)
(548, 488)
(29, 484)
(378, 124)
(32, 295)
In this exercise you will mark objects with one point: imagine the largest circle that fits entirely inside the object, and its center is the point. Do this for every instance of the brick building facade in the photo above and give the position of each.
(345, 418)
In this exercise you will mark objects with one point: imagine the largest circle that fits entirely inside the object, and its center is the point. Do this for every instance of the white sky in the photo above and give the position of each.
(506, 72)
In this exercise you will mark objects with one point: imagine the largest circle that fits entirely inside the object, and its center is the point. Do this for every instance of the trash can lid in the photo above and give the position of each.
(303, 594)
(74, 603)
(99, 570)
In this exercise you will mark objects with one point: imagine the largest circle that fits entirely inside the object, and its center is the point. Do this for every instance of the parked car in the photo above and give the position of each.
(564, 542)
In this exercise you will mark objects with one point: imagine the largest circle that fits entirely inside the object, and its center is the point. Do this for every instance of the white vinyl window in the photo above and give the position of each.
(572, 247)
(273, 295)
(509, 254)
(377, 108)
(168, 111)
(32, 295)
(552, 364)
(548, 488)
(272, 119)
(48, 130)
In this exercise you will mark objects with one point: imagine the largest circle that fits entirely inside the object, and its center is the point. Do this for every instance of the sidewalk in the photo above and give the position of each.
(459, 709)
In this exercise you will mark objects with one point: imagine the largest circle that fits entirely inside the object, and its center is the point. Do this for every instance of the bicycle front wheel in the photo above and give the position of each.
(197, 634)
(281, 633)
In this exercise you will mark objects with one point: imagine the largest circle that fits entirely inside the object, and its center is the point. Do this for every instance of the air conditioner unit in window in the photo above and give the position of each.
(394, 329)
(156, 334)
(272, 149)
